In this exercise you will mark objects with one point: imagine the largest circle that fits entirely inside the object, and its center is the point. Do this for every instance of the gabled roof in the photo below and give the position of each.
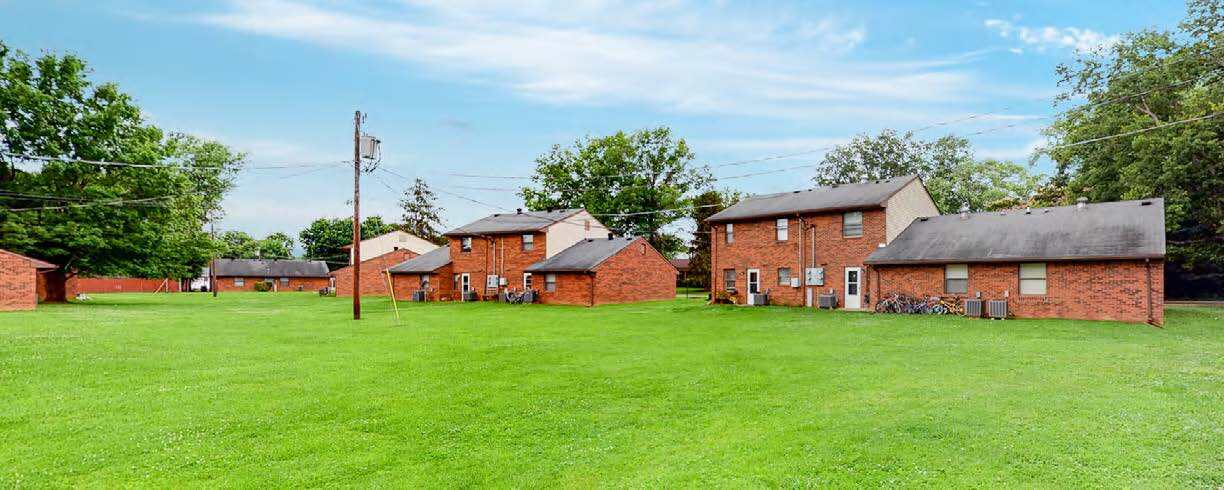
(271, 268)
(412, 242)
(38, 264)
(513, 222)
(839, 197)
(583, 256)
(423, 264)
(1108, 230)
(680, 264)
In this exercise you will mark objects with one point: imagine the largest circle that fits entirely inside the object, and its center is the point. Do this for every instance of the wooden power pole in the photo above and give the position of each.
(212, 266)
(357, 215)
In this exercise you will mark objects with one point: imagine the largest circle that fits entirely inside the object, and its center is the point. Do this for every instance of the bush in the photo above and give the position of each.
(263, 287)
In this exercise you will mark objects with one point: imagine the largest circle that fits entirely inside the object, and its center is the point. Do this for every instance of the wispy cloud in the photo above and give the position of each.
(668, 55)
(1052, 37)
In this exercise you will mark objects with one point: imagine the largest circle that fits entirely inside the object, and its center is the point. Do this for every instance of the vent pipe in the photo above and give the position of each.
(518, 211)
(1081, 203)
(611, 236)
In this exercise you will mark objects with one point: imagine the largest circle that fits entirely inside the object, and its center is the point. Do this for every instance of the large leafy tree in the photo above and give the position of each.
(947, 167)
(641, 172)
(422, 215)
(705, 205)
(151, 222)
(325, 238)
(1151, 78)
(276, 245)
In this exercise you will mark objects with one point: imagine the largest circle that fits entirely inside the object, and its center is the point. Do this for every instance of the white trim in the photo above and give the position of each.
(858, 288)
(748, 281)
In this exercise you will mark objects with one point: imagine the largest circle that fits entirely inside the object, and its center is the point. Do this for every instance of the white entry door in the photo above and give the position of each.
(465, 282)
(754, 281)
(854, 294)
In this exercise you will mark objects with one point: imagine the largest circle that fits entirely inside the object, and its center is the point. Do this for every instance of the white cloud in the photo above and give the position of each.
(768, 145)
(669, 55)
(1020, 154)
(1044, 38)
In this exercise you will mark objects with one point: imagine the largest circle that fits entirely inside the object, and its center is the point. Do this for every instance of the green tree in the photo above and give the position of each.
(152, 224)
(947, 167)
(238, 245)
(422, 215)
(325, 238)
(640, 172)
(276, 245)
(705, 205)
(1148, 79)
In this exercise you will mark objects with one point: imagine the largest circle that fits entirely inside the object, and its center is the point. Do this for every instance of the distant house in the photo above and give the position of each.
(431, 273)
(1100, 261)
(390, 242)
(682, 266)
(373, 273)
(491, 255)
(26, 281)
(608, 270)
(281, 275)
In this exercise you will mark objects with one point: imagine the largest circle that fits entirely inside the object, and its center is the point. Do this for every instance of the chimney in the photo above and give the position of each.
(518, 211)
(611, 236)
(964, 211)
(1081, 203)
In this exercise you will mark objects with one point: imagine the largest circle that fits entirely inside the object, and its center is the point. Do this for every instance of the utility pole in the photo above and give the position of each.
(212, 266)
(357, 215)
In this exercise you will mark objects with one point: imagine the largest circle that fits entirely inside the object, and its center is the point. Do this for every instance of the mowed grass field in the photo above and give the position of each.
(284, 389)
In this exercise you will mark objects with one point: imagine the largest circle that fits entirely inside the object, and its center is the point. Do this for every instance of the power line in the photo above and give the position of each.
(1130, 133)
(25, 156)
(118, 202)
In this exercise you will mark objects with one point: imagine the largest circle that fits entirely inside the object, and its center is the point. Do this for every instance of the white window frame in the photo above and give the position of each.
(846, 224)
(727, 286)
(1030, 283)
(284, 281)
(528, 241)
(550, 283)
(465, 282)
(956, 272)
(784, 281)
(782, 225)
(465, 244)
(239, 282)
(424, 283)
(729, 233)
(526, 281)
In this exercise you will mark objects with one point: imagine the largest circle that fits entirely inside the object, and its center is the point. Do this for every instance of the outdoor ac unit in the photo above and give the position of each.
(529, 296)
(828, 301)
(470, 296)
(758, 299)
(973, 308)
(998, 308)
(420, 296)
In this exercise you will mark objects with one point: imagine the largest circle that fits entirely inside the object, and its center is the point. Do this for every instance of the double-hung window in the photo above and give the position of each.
(284, 282)
(956, 278)
(730, 233)
(465, 244)
(852, 224)
(784, 276)
(424, 281)
(782, 225)
(528, 241)
(1033, 278)
(550, 282)
(240, 282)
(526, 280)
(729, 279)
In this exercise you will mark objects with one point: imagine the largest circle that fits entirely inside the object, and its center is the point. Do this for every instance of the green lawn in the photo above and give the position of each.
(283, 389)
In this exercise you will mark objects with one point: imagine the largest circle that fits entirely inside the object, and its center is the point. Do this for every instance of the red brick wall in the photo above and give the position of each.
(502, 255)
(573, 288)
(637, 273)
(756, 246)
(441, 285)
(1105, 290)
(119, 285)
(226, 283)
(18, 283)
(373, 279)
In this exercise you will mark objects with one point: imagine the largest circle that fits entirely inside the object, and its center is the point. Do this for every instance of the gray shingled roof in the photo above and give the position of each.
(512, 222)
(271, 268)
(829, 198)
(1124, 229)
(583, 256)
(428, 262)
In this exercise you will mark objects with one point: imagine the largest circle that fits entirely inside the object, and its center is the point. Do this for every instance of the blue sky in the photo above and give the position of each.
(484, 87)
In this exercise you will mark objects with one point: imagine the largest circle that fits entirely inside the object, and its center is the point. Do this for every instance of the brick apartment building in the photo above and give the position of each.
(1100, 261)
(491, 255)
(432, 272)
(794, 246)
(373, 273)
(607, 270)
(281, 275)
(26, 281)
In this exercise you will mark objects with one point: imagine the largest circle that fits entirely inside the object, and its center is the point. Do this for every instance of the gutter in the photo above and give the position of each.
(961, 260)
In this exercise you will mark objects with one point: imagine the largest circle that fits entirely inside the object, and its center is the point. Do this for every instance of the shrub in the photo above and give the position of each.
(263, 287)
